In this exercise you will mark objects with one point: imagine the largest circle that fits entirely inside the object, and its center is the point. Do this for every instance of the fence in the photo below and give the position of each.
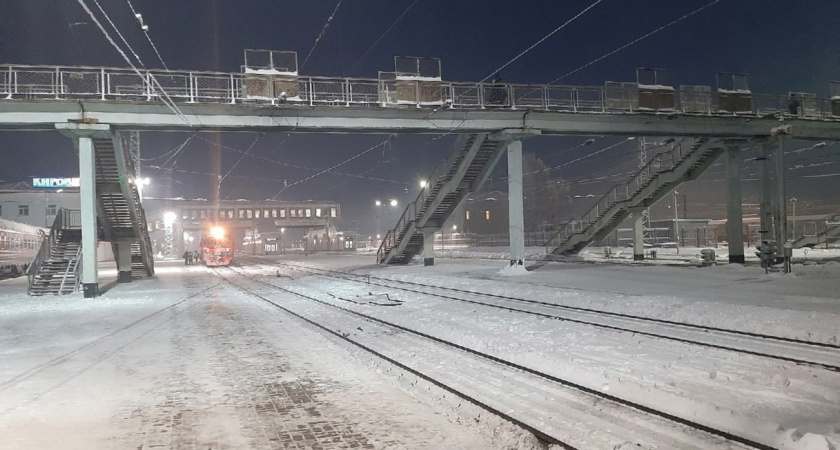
(99, 83)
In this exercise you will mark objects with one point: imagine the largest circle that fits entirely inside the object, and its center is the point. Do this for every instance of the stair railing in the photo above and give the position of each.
(621, 193)
(48, 243)
(42, 255)
(73, 267)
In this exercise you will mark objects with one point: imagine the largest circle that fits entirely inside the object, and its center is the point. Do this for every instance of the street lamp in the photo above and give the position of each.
(393, 202)
(423, 184)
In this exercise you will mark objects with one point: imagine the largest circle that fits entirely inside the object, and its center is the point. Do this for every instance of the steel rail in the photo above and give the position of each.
(661, 322)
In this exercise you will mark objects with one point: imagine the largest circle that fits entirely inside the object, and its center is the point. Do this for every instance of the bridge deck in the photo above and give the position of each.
(38, 97)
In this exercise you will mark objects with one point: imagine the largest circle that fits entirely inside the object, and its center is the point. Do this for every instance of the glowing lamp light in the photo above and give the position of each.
(378, 203)
(423, 184)
(393, 202)
(217, 232)
(169, 218)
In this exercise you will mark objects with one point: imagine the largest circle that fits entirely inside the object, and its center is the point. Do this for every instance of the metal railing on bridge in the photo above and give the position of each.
(100, 83)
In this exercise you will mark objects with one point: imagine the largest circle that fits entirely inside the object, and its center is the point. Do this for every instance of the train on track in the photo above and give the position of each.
(19, 243)
(216, 246)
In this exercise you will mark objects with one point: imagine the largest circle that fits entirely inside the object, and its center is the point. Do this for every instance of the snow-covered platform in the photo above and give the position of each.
(182, 361)
(186, 359)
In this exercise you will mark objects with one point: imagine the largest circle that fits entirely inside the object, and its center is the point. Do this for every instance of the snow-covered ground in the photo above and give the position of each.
(185, 359)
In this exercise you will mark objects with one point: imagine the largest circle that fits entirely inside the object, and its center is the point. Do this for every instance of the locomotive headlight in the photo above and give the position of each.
(217, 232)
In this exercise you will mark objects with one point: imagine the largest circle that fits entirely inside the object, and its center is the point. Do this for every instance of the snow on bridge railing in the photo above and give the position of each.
(100, 83)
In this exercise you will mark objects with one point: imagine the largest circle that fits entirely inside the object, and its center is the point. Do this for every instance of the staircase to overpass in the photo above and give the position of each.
(121, 216)
(120, 221)
(466, 168)
(831, 233)
(686, 161)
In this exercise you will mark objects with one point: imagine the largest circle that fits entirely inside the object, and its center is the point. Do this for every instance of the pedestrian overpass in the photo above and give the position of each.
(94, 105)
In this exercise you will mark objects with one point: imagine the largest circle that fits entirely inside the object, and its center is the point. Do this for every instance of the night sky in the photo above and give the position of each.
(785, 45)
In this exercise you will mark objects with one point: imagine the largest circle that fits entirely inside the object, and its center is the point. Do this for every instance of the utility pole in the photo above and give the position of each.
(793, 201)
(643, 167)
(676, 223)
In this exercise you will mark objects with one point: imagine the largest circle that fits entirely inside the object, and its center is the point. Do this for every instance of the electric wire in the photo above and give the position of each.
(386, 141)
(382, 36)
(107, 17)
(521, 54)
(146, 32)
(712, 3)
(318, 39)
(168, 101)
(511, 61)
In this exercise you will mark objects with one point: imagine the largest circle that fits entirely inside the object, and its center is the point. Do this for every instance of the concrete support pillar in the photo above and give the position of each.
(734, 207)
(428, 246)
(516, 214)
(87, 193)
(765, 211)
(123, 257)
(638, 215)
(781, 196)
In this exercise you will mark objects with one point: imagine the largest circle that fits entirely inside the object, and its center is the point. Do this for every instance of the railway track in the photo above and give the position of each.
(822, 355)
(518, 394)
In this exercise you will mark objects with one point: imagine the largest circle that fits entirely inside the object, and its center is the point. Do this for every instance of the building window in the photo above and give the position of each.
(308, 212)
(333, 212)
(230, 214)
(202, 214)
(283, 213)
(23, 210)
(241, 214)
(468, 215)
(487, 215)
(257, 213)
(317, 212)
(51, 210)
(265, 214)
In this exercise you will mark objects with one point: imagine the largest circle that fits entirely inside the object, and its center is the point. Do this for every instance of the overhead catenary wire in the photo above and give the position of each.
(359, 155)
(165, 99)
(320, 35)
(107, 17)
(535, 44)
(382, 35)
(512, 60)
(713, 2)
(146, 32)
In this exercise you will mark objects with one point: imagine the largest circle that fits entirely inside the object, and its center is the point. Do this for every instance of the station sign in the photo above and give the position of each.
(53, 183)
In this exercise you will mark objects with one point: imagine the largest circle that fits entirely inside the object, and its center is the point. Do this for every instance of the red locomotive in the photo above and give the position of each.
(216, 247)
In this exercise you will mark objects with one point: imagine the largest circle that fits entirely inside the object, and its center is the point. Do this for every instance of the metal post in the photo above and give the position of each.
(87, 194)
(793, 201)
(516, 214)
(734, 208)
(765, 212)
(428, 246)
(123, 258)
(781, 199)
(676, 223)
(638, 215)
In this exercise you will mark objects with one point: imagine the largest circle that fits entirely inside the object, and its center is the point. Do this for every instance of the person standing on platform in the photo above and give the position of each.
(186, 258)
(793, 106)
